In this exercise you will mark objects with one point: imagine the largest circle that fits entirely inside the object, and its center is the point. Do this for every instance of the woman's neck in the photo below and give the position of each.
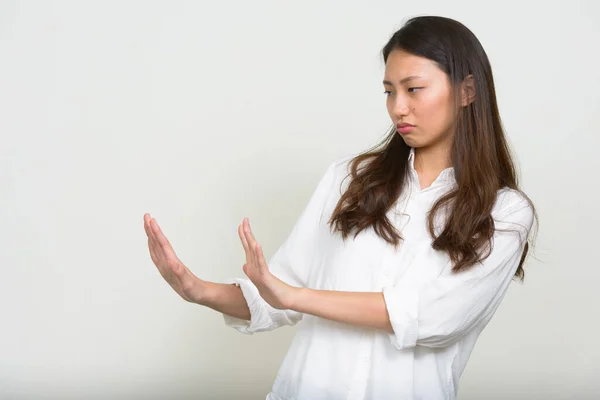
(429, 162)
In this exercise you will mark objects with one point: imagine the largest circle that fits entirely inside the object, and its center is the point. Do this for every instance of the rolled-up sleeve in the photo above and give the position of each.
(438, 312)
(291, 263)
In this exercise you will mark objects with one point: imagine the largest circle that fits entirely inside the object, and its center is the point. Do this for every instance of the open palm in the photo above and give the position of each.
(177, 275)
(273, 290)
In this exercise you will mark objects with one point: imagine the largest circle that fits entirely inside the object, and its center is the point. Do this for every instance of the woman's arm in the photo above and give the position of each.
(225, 298)
(366, 309)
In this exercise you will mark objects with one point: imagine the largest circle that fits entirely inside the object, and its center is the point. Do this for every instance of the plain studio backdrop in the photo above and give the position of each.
(203, 113)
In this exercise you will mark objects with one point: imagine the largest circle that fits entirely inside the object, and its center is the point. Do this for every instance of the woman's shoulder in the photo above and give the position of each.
(338, 168)
(342, 166)
(510, 199)
(513, 208)
(333, 180)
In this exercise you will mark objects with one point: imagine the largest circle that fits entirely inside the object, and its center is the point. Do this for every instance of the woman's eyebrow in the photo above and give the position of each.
(408, 78)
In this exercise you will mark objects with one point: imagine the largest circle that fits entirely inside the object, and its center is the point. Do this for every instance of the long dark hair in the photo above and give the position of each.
(480, 153)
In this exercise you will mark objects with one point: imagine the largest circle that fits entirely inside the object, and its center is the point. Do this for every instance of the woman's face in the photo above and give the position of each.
(418, 92)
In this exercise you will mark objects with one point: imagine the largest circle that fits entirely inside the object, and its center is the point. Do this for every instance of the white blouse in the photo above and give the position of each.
(436, 316)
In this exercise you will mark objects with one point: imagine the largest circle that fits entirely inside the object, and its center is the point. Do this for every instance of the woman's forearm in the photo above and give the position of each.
(225, 298)
(364, 309)
(356, 308)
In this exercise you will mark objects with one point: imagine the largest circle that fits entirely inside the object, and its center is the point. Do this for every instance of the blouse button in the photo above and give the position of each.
(386, 272)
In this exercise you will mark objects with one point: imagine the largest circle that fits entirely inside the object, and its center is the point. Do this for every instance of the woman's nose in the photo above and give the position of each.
(401, 109)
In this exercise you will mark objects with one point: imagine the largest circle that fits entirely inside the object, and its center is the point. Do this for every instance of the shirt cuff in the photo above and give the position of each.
(260, 320)
(402, 302)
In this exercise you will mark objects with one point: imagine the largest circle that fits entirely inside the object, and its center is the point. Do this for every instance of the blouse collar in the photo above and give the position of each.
(446, 177)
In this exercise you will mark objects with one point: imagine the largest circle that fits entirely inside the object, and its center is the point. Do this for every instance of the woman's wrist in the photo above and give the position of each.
(201, 292)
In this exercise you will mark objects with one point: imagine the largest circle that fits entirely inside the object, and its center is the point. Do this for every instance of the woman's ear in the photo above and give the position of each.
(467, 91)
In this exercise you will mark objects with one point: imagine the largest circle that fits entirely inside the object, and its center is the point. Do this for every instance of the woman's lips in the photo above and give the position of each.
(405, 129)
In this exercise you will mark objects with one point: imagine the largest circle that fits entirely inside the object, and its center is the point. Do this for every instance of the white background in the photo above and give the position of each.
(203, 113)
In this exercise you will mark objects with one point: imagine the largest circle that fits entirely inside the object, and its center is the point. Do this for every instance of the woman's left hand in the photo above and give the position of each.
(273, 290)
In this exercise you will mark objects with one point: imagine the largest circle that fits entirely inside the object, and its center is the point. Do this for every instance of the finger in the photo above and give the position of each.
(248, 235)
(257, 248)
(244, 243)
(152, 253)
(262, 262)
(163, 243)
(160, 266)
(155, 258)
(248, 230)
(250, 258)
(251, 241)
(170, 261)
(146, 226)
(148, 229)
(152, 240)
(243, 237)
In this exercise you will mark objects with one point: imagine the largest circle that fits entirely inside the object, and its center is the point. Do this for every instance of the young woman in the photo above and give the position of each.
(395, 271)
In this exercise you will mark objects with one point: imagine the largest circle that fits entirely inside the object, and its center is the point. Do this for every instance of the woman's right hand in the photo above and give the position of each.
(181, 279)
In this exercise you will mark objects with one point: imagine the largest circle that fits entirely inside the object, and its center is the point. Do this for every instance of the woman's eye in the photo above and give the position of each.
(410, 90)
